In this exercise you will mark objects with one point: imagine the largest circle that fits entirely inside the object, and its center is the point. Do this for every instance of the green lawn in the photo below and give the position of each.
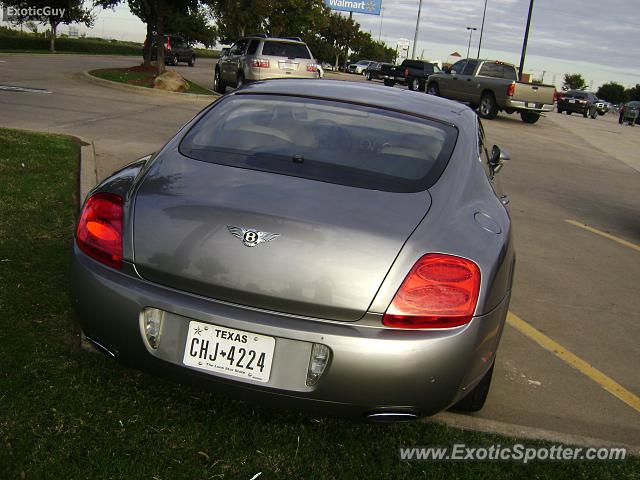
(141, 77)
(67, 414)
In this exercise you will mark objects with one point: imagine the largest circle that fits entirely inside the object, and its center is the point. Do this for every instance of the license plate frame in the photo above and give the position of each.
(228, 351)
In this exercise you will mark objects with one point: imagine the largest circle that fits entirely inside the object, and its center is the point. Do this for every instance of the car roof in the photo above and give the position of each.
(277, 39)
(414, 103)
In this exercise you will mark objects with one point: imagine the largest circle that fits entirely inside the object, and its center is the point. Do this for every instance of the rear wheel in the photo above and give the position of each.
(414, 84)
(529, 117)
(433, 89)
(569, 113)
(218, 85)
(585, 114)
(174, 59)
(192, 60)
(594, 114)
(559, 110)
(240, 80)
(474, 401)
(369, 77)
(488, 108)
(389, 83)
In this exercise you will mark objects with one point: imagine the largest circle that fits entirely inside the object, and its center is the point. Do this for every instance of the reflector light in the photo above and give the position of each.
(440, 291)
(99, 231)
(317, 363)
(312, 67)
(511, 89)
(260, 63)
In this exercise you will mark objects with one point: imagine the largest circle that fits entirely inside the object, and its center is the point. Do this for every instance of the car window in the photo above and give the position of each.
(285, 49)
(458, 67)
(510, 72)
(322, 140)
(491, 69)
(470, 67)
(436, 68)
(253, 47)
(238, 48)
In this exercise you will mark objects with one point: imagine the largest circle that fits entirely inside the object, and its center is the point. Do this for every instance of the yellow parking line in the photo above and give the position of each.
(621, 241)
(566, 356)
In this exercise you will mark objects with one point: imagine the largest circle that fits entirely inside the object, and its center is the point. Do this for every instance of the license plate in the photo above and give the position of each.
(572, 101)
(287, 66)
(229, 351)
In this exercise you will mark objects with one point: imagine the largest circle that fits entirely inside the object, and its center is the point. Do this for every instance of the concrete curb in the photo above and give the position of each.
(477, 424)
(147, 91)
(88, 172)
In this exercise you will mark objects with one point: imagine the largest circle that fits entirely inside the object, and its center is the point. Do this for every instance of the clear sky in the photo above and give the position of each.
(598, 38)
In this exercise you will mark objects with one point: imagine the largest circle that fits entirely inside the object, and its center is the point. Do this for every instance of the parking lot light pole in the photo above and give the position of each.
(484, 14)
(415, 37)
(471, 30)
(526, 40)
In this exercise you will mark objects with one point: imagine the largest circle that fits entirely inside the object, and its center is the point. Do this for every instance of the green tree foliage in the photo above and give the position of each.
(612, 92)
(634, 93)
(574, 81)
(328, 34)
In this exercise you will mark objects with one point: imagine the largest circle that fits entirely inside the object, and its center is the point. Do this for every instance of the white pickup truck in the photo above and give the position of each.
(492, 86)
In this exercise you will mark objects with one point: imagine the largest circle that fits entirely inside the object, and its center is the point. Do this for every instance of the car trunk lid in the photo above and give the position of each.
(336, 243)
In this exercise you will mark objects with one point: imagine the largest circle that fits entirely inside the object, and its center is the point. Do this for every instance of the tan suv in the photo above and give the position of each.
(259, 57)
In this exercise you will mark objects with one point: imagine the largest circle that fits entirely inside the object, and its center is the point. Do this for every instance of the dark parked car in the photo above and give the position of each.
(412, 73)
(376, 70)
(630, 113)
(300, 243)
(577, 101)
(176, 49)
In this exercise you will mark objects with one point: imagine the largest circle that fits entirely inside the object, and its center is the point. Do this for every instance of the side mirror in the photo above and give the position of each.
(498, 157)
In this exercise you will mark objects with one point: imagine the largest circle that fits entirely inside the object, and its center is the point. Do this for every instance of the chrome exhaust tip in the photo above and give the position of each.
(391, 417)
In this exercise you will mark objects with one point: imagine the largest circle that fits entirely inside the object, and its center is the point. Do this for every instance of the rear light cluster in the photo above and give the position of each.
(99, 231)
(511, 89)
(312, 67)
(260, 63)
(440, 291)
(555, 96)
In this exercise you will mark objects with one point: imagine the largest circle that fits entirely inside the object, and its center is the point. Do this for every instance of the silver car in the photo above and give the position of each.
(259, 58)
(307, 243)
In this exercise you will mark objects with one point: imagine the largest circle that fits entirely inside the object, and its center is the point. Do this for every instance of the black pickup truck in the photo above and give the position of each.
(412, 73)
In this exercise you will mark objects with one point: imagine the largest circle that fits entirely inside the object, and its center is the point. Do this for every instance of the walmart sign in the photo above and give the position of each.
(371, 7)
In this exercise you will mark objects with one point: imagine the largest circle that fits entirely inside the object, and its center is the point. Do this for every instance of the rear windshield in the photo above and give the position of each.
(285, 49)
(322, 140)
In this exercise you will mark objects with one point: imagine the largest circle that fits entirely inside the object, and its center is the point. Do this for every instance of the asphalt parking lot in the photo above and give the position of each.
(568, 361)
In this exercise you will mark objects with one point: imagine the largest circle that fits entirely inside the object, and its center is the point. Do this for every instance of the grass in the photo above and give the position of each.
(141, 77)
(65, 413)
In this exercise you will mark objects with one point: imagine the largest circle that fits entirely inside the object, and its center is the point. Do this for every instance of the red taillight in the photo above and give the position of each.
(440, 291)
(406, 72)
(99, 232)
(511, 89)
(312, 67)
(168, 43)
(260, 63)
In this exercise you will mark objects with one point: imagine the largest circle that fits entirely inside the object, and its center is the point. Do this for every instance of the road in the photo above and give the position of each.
(574, 286)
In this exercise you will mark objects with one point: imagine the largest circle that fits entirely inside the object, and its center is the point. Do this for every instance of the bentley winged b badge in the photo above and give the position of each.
(251, 237)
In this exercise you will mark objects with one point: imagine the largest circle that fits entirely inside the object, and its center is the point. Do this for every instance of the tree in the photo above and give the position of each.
(53, 13)
(156, 14)
(634, 93)
(574, 81)
(612, 92)
(237, 18)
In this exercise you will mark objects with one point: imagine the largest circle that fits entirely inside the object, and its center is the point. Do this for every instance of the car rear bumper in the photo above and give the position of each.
(371, 369)
(255, 74)
(535, 107)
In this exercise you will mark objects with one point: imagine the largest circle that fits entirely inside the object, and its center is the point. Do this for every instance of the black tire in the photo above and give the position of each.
(175, 60)
(240, 80)
(488, 108)
(594, 115)
(414, 84)
(218, 84)
(192, 60)
(585, 114)
(433, 89)
(569, 113)
(369, 77)
(529, 117)
(474, 401)
(559, 110)
(389, 83)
